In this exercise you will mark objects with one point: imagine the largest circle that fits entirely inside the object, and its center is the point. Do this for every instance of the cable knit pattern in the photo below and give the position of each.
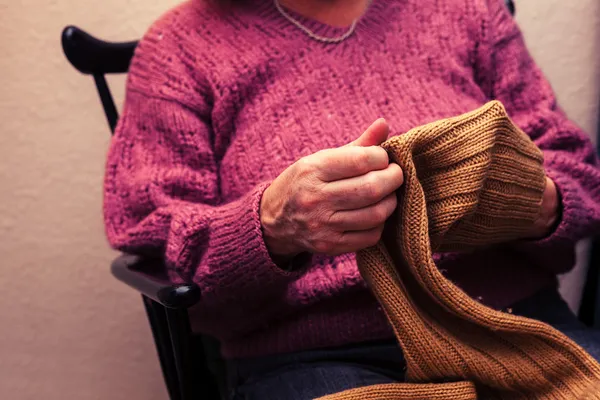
(219, 103)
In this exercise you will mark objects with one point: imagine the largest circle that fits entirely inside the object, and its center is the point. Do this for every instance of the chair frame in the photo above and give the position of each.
(183, 355)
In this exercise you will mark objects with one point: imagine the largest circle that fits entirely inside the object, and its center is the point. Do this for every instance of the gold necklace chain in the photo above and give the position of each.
(312, 34)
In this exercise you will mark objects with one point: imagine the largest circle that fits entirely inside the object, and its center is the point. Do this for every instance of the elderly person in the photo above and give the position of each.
(247, 156)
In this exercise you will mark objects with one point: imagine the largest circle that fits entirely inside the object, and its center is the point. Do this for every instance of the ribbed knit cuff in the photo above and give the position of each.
(569, 205)
(239, 264)
(556, 250)
(513, 204)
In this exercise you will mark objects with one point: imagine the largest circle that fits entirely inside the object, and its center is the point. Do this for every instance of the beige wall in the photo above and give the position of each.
(564, 38)
(67, 329)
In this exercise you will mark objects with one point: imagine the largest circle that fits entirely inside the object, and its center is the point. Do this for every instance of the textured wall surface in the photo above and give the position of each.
(564, 38)
(68, 330)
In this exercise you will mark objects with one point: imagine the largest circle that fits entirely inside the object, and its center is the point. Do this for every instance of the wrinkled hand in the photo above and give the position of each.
(334, 201)
(549, 212)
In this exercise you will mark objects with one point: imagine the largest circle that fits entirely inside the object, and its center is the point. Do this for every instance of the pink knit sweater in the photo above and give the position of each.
(219, 103)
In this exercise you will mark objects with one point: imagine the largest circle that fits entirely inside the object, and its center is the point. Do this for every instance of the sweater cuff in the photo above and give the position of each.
(239, 262)
(569, 207)
(556, 251)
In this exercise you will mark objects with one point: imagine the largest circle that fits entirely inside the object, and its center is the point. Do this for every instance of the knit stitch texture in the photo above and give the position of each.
(471, 181)
(218, 104)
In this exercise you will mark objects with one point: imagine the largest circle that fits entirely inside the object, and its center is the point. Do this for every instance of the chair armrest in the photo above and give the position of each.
(148, 276)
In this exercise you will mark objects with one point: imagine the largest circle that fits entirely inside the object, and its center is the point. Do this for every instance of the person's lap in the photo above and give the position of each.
(549, 307)
(311, 374)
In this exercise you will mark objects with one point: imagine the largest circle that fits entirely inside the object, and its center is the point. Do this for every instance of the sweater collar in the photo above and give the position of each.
(267, 10)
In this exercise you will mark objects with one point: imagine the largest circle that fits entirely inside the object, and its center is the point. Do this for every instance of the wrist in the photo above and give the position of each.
(281, 249)
(282, 254)
(549, 212)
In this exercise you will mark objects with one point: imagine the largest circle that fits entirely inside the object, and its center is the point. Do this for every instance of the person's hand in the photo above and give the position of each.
(549, 212)
(334, 201)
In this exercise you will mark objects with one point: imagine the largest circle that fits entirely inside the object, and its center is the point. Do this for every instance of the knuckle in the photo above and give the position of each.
(323, 246)
(306, 165)
(306, 200)
(313, 225)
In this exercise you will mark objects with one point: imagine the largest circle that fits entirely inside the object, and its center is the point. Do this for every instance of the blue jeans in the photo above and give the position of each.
(311, 374)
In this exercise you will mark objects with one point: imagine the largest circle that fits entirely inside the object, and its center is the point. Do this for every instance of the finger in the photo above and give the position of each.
(364, 190)
(357, 240)
(348, 162)
(375, 134)
(364, 218)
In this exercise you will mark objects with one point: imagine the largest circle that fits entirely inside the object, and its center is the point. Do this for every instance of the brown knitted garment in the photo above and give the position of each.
(470, 181)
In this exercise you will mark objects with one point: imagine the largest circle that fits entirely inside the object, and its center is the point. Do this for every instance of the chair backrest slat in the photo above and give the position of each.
(108, 103)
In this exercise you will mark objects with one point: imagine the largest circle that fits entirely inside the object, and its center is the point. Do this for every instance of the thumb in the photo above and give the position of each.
(375, 134)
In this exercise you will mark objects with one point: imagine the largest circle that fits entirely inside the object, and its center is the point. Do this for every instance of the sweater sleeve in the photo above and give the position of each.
(570, 158)
(162, 198)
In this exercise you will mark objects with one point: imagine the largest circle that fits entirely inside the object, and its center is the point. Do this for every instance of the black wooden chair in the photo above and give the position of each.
(185, 358)
(190, 362)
